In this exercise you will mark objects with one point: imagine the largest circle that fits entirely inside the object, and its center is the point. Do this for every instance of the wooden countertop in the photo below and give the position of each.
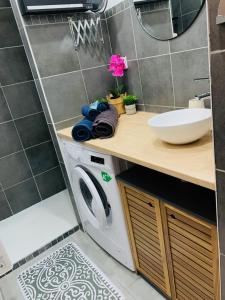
(134, 141)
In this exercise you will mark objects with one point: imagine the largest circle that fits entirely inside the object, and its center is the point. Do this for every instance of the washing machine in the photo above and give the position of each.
(97, 197)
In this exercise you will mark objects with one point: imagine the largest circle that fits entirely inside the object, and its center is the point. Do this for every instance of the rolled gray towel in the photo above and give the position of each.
(105, 124)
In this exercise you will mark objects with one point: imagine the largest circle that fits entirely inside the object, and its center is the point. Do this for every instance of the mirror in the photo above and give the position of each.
(167, 19)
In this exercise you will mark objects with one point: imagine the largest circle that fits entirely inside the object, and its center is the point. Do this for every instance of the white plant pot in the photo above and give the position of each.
(130, 109)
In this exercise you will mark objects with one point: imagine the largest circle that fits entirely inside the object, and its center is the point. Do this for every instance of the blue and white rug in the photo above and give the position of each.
(66, 274)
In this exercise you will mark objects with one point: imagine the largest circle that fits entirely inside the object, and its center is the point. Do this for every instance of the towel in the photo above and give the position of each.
(89, 113)
(93, 110)
(82, 131)
(105, 124)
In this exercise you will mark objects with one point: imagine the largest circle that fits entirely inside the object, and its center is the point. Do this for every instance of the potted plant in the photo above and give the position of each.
(130, 104)
(115, 97)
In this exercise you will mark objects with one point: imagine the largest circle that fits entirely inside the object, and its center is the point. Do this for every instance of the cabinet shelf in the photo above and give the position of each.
(195, 199)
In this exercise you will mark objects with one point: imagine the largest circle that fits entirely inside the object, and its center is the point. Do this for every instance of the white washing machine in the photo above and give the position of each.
(98, 200)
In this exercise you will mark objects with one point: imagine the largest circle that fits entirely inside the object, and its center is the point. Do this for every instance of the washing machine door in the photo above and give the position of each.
(92, 198)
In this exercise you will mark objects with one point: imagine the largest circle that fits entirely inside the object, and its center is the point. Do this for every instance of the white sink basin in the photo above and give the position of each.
(182, 126)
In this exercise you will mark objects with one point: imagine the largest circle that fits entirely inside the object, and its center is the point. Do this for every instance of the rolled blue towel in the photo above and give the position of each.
(82, 131)
(94, 109)
(102, 106)
(89, 113)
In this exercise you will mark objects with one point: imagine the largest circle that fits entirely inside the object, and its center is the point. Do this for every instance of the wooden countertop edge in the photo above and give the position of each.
(207, 184)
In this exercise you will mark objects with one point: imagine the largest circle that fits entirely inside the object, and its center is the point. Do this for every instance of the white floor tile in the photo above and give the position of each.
(36, 226)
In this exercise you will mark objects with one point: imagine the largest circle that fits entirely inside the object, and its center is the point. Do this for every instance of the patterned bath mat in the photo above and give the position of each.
(66, 274)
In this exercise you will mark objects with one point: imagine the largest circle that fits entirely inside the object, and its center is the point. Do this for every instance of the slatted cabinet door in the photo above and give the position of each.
(146, 235)
(193, 250)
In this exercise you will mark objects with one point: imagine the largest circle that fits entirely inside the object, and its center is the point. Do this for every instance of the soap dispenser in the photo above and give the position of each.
(196, 103)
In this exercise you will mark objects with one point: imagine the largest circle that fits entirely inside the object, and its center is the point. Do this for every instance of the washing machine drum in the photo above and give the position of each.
(91, 197)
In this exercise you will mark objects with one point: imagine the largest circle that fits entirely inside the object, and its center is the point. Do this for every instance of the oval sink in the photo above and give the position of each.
(182, 126)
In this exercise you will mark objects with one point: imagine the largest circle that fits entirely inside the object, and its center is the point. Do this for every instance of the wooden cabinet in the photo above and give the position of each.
(192, 247)
(174, 250)
(146, 234)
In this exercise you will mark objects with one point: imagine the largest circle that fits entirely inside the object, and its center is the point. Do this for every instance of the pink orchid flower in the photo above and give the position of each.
(117, 65)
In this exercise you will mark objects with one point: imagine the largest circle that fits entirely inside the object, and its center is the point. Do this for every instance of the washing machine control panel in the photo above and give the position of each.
(97, 160)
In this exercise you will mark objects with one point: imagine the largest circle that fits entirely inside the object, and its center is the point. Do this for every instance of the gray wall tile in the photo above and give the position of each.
(216, 32)
(146, 45)
(22, 195)
(50, 183)
(14, 169)
(42, 157)
(132, 81)
(5, 113)
(53, 49)
(157, 81)
(33, 130)
(121, 34)
(10, 141)
(65, 94)
(26, 45)
(186, 67)
(14, 66)
(22, 99)
(140, 107)
(68, 123)
(157, 109)
(218, 92)
(195, 37)
(9, 34)
(220, 179)
(217, 64)
(55, 141)
(5, 211)
(4, 3)
(98, 81)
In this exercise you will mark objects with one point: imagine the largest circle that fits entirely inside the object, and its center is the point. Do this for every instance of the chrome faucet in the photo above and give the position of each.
(204, 95)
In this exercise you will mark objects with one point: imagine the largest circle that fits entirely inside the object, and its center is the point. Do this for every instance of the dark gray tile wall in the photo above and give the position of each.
(164, 72)
(69, 78)
(217, 66)
(29, 167)
(160, 73)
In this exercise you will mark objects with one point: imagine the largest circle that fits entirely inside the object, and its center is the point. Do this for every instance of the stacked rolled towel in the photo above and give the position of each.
(93, 110)
(82, 131)
(105, 124)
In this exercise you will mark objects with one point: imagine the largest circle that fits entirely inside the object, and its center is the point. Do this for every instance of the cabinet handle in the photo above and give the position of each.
(172, 216)
(150, 204)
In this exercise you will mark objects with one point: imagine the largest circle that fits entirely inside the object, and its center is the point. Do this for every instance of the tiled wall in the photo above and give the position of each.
(29, 167)
(217, 57)
(70, 78)
(160, 72)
